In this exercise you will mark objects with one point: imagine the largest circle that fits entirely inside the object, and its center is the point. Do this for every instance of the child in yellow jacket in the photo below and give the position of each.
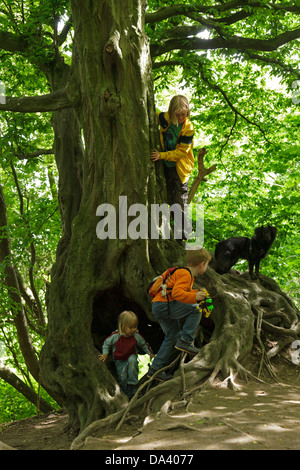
(176, 138)
(181, 303)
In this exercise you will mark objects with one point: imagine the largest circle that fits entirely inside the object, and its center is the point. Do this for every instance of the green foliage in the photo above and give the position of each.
(14, 405)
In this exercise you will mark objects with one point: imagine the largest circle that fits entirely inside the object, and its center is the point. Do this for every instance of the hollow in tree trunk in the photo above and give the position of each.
(94, 279)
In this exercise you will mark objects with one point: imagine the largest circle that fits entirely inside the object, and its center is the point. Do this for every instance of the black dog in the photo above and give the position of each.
(228, 252)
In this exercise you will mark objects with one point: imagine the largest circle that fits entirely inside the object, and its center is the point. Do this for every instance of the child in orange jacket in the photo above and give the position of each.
(181, 303)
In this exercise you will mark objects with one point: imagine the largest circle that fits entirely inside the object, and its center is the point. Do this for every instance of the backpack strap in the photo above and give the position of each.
(162, 120)
(180, 267)
(170, 288)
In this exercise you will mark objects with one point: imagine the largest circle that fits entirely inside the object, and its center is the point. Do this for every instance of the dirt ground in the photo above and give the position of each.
(255, 417)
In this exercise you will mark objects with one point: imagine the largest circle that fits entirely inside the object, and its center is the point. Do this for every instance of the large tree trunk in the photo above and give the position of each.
(93, 280)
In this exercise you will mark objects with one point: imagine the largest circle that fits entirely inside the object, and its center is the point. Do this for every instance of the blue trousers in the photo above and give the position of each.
(127, 372)
(169, 323)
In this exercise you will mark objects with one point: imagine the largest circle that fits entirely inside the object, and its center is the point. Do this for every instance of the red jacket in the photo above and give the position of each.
(122, 347)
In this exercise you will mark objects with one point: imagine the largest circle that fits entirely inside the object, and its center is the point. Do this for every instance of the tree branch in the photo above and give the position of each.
(175, 10)
(216, 87)
(65, 31)
(234, 42)
(35, 154)
(250, 55)
(12, 43)
(34, 104)
(273, 61)
(185, 10)
(166, 63)
(205, 23)
(38, 304)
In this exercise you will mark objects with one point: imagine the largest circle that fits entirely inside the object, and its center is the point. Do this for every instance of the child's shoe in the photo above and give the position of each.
(131, 390)
(186, 347)
(161, 377)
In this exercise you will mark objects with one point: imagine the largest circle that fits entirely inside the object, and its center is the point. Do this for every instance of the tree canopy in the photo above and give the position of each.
(238, 63)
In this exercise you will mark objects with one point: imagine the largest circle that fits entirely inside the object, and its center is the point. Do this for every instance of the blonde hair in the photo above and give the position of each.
(178, 103)
(195, 257)
(126, 318)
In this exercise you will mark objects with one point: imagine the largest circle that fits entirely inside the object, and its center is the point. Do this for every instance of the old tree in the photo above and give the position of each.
(96, 60)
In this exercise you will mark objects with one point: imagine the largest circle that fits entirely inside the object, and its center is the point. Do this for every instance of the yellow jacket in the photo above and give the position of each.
(183, 154)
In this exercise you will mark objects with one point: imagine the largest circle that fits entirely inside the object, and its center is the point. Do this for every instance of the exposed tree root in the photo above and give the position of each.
(140, 389)
(241, 307)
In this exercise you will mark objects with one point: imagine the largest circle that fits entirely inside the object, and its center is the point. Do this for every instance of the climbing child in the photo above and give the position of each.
(125, 343)
(176, 138)
(181, 303)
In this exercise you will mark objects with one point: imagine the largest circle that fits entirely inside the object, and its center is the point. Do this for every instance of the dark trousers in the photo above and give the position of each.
(177, 193)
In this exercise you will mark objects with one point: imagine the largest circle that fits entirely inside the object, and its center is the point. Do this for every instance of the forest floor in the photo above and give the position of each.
(256, 416)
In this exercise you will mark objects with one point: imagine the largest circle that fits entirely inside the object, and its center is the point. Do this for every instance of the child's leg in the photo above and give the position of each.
(171, 331)
(121, 367)
(133, 373)
(133, 370)
(128, 372)
(177, 192)
(192, 316)
(170, 174)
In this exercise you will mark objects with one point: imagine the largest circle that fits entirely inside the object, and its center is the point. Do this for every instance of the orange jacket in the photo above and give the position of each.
(183, 154)
(179, 288)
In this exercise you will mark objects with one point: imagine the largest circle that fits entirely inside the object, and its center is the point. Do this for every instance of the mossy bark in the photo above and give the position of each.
(93, 280)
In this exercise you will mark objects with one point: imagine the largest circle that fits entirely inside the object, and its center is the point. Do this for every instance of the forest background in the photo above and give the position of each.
(246, 114)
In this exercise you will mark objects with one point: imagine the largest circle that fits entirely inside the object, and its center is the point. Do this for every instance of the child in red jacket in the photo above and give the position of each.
(125, 344)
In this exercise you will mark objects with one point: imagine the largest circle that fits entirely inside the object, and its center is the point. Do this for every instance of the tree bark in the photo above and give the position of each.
(93, 280)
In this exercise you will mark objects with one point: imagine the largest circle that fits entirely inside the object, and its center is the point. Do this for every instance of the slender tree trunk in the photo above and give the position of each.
(14, 290)
(11, 282)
